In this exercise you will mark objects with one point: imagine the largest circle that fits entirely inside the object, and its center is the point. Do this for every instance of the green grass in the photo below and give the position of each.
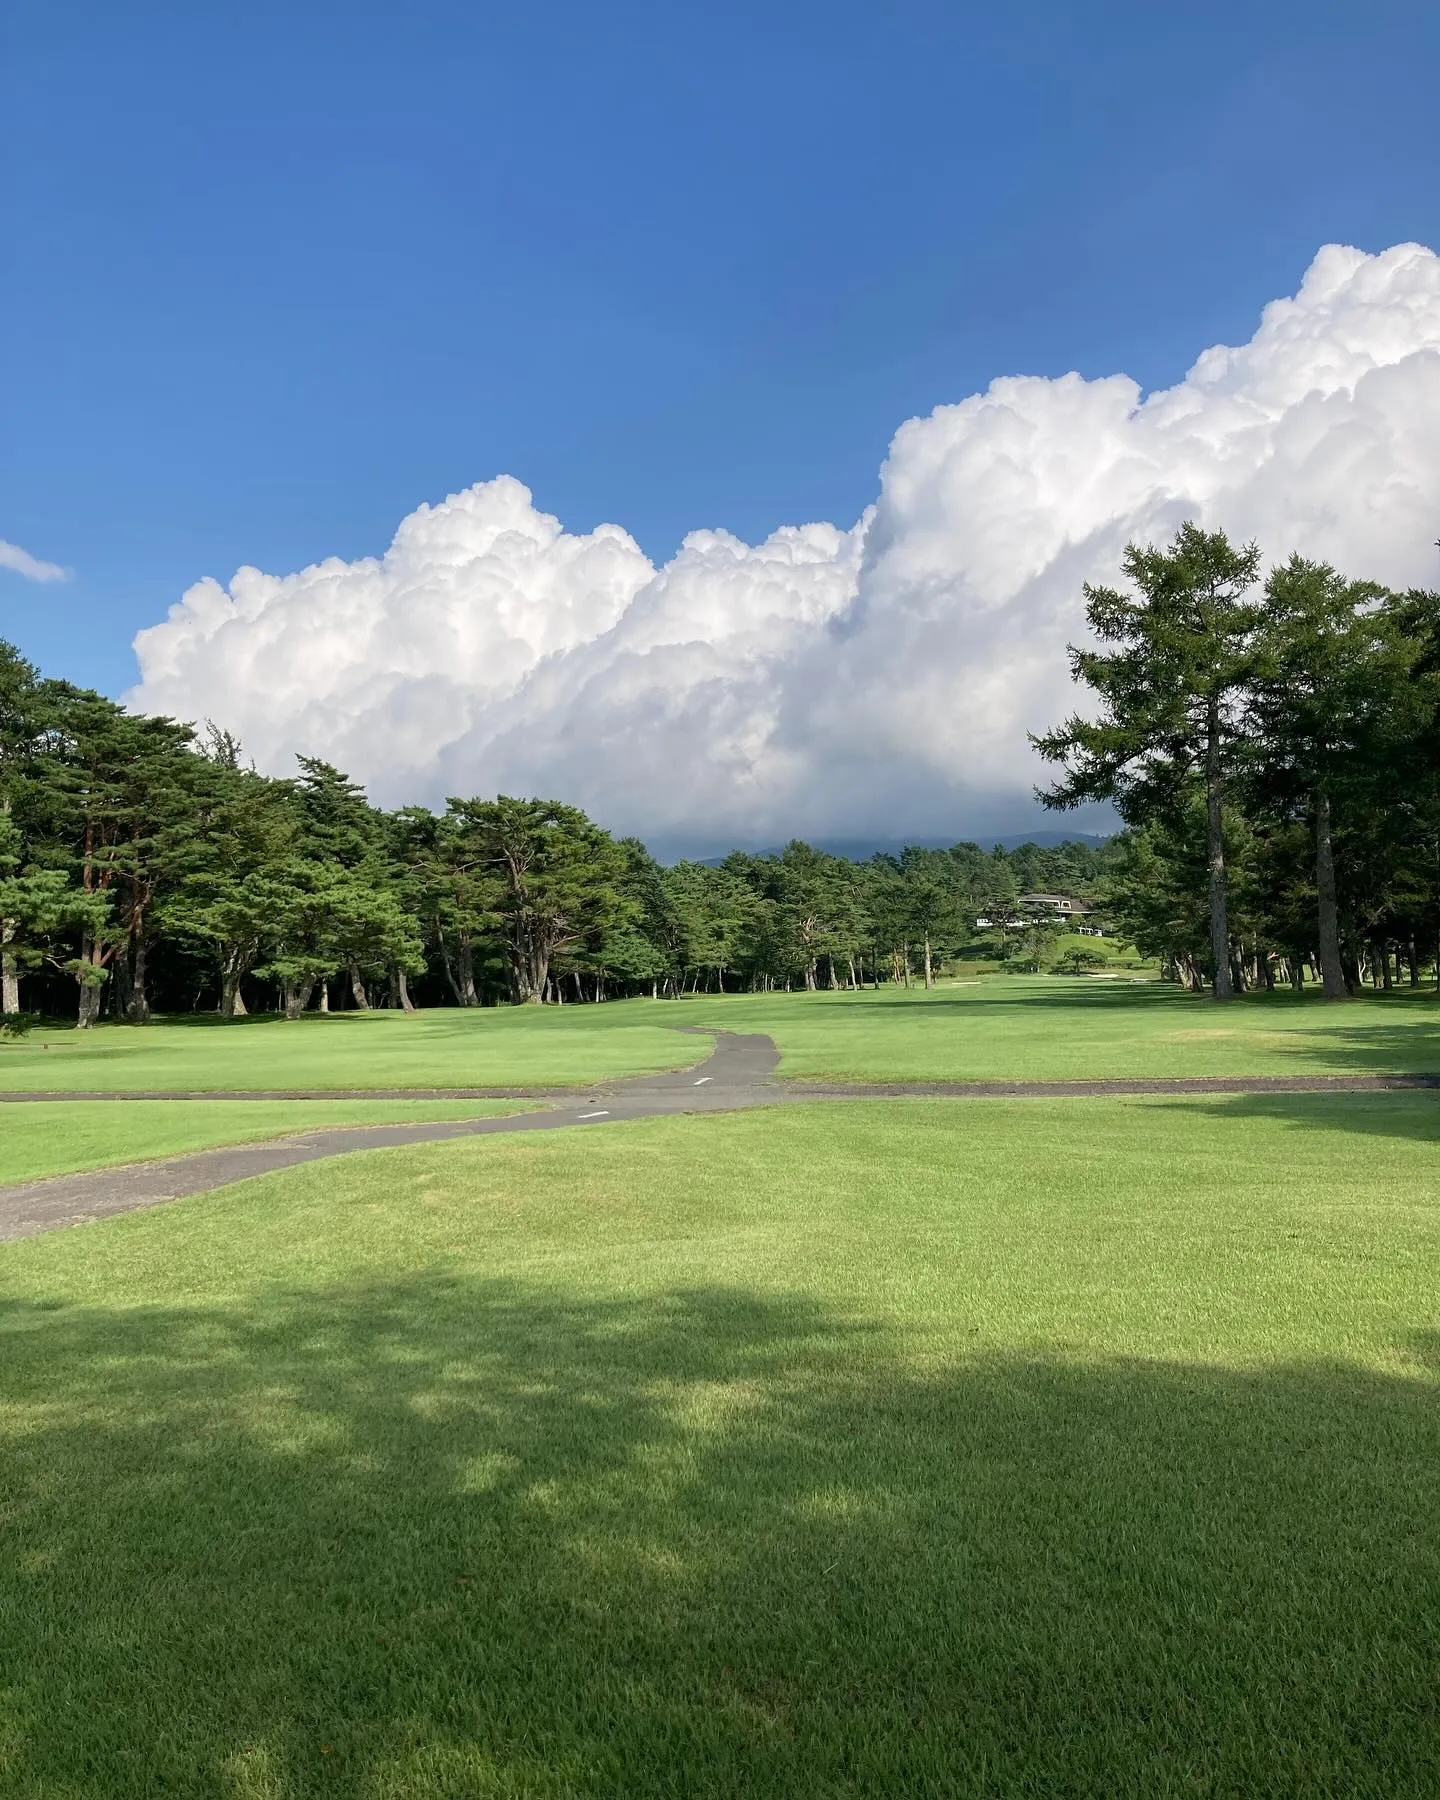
(59, 1137)
(980, 959)
(1113, 953)
(1037, 1027)
(488, 1047)
(1063, 1028)
(1049, 1448)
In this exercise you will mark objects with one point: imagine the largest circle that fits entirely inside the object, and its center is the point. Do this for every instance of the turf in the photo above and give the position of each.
(1054, 1448)
(1025, 1028)
(1113, 954)
(488, 1047)
(1067, 1028)
(59, 1137)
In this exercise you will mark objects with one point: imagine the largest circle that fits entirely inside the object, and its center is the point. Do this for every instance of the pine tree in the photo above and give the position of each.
(1172, 693)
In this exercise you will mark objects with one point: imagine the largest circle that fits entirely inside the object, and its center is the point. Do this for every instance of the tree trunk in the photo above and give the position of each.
(448, 963)
(1412, 959)
(929, 970)
(1332, 970)
(91, 994)
(137, 998)
(232, 1006)
(1215, 855)
(465, 960)
(357, 989)
(119, 983)
(295, 996)
(1382, 954)
(9, 967)
(9, 970)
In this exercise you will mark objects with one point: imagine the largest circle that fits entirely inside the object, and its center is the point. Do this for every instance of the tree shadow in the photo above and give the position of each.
(1368, 1047)
(1060, 992)
(1413, 1114)
(443, 1536)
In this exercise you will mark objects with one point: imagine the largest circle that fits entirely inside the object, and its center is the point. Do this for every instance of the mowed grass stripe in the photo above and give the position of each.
(481, 1047)
(1037, 1448)
(61, 1137)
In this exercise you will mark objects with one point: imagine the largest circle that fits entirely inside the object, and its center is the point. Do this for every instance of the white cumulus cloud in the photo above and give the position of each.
(877, 680)
(21, 562)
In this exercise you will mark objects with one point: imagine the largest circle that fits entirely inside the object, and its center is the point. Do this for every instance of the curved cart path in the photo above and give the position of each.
(740, 1072)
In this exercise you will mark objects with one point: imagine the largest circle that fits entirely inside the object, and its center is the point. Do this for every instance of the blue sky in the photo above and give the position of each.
(276, 274)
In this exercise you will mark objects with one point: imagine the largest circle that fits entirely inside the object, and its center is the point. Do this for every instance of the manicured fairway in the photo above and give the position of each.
(1046, 1448)
(57, 1137)
(1062, 1028)
(489, 1047)
(1023, 1028)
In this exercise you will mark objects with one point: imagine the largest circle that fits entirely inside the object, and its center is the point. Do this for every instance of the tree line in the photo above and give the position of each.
(1272, 748)
(145, 866)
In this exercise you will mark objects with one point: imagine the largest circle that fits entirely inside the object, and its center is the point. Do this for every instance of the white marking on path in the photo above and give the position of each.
(602, 1114)
(701, 1082)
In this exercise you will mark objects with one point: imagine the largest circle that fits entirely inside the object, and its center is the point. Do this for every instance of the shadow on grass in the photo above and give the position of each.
(1413, 1115)
(1367, 1046)
(442, 1537)
(1046, 992)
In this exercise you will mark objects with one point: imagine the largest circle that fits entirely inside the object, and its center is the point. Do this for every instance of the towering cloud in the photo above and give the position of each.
(880, 679)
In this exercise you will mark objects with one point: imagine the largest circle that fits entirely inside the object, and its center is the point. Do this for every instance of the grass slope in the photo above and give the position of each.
(1113, 953)
(489, 1047)
(60, 1137)
(1009, 1448)
(1064, 1028)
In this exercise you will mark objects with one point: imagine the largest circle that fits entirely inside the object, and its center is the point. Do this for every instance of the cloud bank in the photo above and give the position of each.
(21, 562)
(876, 680)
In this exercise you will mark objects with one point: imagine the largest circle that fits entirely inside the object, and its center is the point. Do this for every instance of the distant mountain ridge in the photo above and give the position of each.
(862, 849)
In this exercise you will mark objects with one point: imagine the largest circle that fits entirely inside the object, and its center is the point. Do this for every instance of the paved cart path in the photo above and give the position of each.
(739, 1072)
